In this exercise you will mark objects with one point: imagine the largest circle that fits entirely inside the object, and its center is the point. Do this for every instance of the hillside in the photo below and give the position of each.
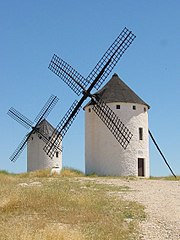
(71, 206)
(38, 206)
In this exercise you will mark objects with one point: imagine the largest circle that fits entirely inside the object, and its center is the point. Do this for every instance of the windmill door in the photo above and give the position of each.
(141, 167)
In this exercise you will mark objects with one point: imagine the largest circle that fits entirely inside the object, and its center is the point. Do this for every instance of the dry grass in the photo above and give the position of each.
(65, 172)
(70, 172)
(169, 178)
(38, 206)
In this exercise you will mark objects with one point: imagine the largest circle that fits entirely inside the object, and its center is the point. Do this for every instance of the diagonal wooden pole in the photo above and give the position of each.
(154, 141)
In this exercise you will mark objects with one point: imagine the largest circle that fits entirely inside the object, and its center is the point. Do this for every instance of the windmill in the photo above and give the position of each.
(84, 86)
(35, 128)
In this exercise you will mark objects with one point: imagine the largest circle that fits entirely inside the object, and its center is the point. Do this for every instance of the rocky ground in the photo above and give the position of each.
(161, 199)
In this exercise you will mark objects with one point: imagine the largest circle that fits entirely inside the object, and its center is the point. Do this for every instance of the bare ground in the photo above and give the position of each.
(161, 199)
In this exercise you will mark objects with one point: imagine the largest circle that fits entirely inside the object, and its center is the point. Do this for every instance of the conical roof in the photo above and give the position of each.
(45, 128)
(117, 91)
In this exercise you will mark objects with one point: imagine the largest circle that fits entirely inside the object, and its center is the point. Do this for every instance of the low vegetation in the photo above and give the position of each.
(169, 178)
(38, 206)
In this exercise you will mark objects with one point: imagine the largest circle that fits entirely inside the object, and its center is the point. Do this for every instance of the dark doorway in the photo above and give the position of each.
(141, 167)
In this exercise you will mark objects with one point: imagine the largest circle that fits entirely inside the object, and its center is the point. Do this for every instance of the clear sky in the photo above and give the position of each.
(80, 32)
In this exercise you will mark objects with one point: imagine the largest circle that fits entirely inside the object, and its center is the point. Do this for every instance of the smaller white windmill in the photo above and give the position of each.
(37, 138)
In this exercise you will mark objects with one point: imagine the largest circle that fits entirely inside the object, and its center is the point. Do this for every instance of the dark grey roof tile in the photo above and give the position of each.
(117, 91)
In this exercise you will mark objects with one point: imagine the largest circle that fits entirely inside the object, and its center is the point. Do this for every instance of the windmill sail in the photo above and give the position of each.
(113, 123)
(49, 105)
(76, 81)
(61, 129)
(68, 74)
(19, 149)
(20, 118)
(94, 80)
(112, 55)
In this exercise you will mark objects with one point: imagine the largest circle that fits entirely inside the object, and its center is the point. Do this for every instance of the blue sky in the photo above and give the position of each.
(80, 32)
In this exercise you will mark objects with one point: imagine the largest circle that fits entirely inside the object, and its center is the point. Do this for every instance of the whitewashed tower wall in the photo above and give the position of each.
(36, 157)
(104, 155)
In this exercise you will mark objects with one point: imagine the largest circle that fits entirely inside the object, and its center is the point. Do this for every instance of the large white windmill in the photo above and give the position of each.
(131, 127)
(103, 154)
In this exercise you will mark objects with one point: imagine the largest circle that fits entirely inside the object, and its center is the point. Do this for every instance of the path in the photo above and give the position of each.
(161, 199)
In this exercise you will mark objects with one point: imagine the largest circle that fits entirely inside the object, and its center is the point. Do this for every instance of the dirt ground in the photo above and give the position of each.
(161, 199)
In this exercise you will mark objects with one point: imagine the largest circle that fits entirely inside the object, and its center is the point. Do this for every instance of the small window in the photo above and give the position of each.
(145, 109)
(134, 107)
(57, 154)
(140, 133)
(89, 109)
(118, 106)
(31, 138)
